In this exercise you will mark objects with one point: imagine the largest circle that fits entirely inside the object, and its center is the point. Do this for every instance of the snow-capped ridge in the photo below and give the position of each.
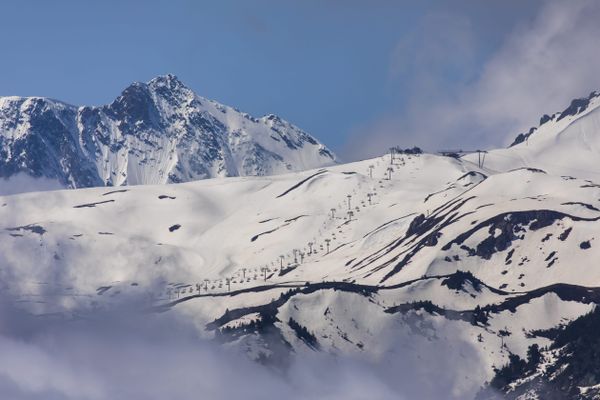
(577, 106)
(152, 133)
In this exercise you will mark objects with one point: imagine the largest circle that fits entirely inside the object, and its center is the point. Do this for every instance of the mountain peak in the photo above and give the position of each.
(152, 133)
(169, 81)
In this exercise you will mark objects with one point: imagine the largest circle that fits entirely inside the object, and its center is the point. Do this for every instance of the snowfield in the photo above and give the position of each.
(430, 259)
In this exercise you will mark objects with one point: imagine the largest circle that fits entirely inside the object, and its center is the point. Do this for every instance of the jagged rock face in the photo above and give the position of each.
(153, 133)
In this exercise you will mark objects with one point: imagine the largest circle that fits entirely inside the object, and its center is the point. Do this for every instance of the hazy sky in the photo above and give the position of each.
(432, 73)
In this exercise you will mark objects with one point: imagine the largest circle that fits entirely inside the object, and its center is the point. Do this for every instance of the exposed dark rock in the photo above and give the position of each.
(253, 238)
(92, 205)
(296, 186)
(115, 191)
(458, 280)
(521, 137)
(512, 226)
(565, 234)
(588, 206)
(545, 118)
(31, 228)
(576, 106)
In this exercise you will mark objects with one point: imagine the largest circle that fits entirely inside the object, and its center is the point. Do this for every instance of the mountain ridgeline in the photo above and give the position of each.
(153, 133)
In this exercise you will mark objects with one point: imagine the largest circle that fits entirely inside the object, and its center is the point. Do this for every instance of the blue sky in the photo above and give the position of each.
(342, 70)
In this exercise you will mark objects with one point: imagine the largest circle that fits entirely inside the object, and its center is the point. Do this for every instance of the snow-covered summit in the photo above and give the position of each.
(153, 133)
(565, 143)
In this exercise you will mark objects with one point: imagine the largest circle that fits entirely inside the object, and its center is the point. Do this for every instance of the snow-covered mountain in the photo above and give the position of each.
(565, 142)
(450, 268)
(153, 133)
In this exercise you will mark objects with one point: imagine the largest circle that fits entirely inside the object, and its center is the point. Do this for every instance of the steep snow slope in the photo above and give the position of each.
(153, 133)
(419, 255)
(566, 143)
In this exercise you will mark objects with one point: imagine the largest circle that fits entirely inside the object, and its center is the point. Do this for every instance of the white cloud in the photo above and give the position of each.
(22, 183)
(121, 354)
(539, 68)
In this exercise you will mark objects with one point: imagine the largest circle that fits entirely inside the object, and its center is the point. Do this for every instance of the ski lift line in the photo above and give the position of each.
(237, 271)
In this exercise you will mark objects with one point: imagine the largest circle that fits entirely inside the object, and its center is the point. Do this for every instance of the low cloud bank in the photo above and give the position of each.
(146, 357)
(22, 183)
(130, 355)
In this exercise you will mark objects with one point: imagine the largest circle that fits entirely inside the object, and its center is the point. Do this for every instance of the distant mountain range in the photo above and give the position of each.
(153, 133)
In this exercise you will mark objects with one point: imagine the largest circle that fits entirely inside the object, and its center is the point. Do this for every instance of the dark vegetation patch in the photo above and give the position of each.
(585, 245)
(303, 334)
(164, 196)
(173, 228)
(551, 333)
(266, 328)
(105, 233)
(474, 317)
(477, 316)
(576, 364)
(515, 368)
(91, 205)
(270, 310)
